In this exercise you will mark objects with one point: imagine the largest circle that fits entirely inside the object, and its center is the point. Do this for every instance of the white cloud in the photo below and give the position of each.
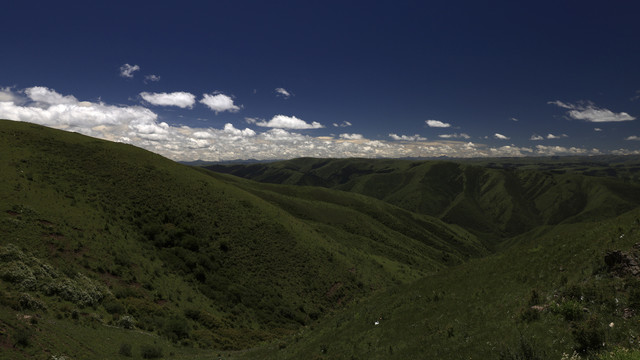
(454, 136)
(127, 70)
(554, 137)
(437, 123)
(141, 127)
(351, 136)
(45, 96)
(289, 122)
(587, 111)
(415, 137)
(45, 106)
(597, 129)
(6, 94)
(219, 102)
(180, 99)
(284, 93)
(561, 104)
(229, 129)
(625, 152)
(633, 137)
(560, 150)
(343, 124)
(152, 78)
(536, 137)
(514, 119)
(501, 137)
(202, 135)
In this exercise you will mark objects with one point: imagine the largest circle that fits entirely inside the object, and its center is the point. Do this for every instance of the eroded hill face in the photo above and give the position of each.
(194, 258)
(494, 203)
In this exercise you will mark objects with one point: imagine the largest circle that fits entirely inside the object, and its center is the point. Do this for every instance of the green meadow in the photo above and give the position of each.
(108, 251)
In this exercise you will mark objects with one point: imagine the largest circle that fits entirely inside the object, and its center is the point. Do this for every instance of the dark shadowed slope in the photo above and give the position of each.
(494, 203)
(573, 289)
(100, 237)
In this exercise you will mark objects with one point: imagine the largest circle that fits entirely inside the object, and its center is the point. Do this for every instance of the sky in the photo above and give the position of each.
(227, 80)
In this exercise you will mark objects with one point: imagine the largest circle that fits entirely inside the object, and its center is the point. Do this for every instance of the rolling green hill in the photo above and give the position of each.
(109, 251)
(104, 240)
(493, 202)
(562, 292)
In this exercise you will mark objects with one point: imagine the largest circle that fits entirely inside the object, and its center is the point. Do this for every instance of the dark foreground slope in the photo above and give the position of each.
(495, 202)
(573, 290)
(101, 240)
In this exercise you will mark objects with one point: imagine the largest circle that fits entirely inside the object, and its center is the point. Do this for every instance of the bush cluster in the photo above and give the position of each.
(29, 273)
(150, 351)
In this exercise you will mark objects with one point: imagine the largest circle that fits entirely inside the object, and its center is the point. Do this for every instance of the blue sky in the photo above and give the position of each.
(223, 80)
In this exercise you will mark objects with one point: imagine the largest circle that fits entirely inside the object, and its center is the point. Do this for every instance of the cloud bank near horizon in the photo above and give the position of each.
(140, 126)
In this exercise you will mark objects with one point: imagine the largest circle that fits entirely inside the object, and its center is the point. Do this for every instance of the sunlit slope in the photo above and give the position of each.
(195, 258)
(544, 296)
(493, 203)
(355, 222)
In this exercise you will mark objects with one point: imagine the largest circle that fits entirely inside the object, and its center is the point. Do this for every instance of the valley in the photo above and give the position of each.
(111, 251)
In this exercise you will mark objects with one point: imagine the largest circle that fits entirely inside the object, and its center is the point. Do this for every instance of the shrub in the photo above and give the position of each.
(529, 314)
(589, 335)
(125, 350)
(524, 351)
(127, 322)
(150, 351)
(27, 302)
(176, 329)
(22, 337)
(634, 298)
(571, 310)
(113, 306)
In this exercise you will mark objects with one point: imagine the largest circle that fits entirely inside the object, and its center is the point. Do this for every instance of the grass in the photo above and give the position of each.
(476, 309)
(110, 251)
(162, 240)
(496, 201)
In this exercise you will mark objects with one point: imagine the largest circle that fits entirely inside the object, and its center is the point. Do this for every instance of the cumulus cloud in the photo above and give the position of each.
(283, 93)
(47, 107)
(230, 129)
(127, 70)
(45, 96)
(437, 124)
(454, 136)
(536, 137)
(289, 122)
(152, 78)
(632, 137)
(560, 150)
(219, 102)
(351, 136)
(501, 137)
(343, 124)
(6, 94)
(180, 99)
(415, 137)
(587, 111)
(141, 127)
(553, 137)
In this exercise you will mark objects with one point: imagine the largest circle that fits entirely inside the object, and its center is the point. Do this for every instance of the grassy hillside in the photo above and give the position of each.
(101, 240)
(493, 202)
(549, 295)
